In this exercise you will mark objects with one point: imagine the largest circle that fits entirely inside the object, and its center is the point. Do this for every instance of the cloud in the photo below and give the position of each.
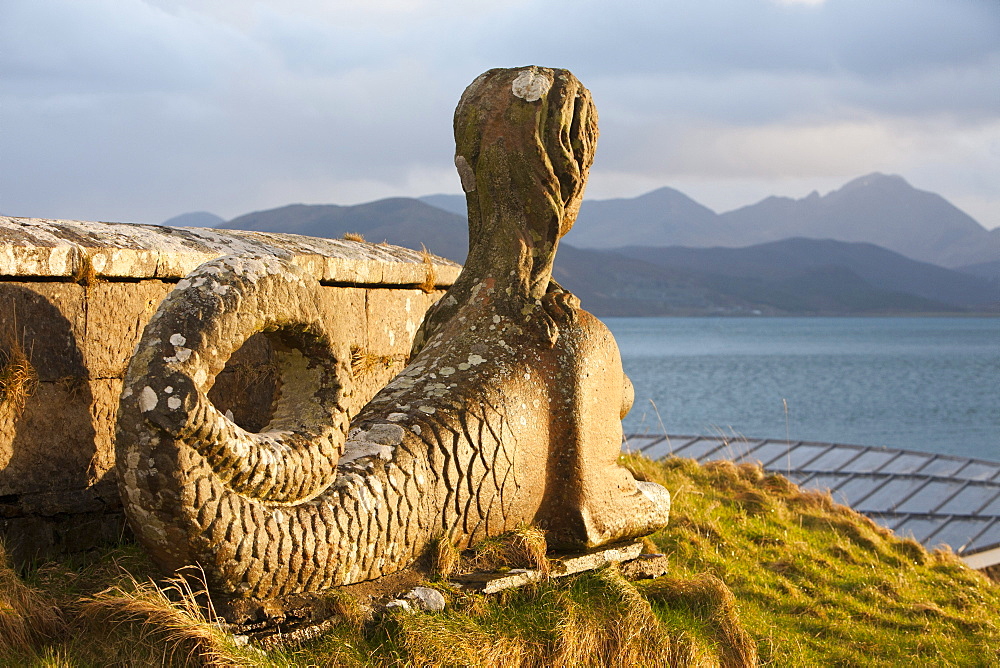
(141, 110)
(112, 46)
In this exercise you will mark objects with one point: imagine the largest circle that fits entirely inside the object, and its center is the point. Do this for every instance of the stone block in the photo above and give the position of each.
(344, 312)
(63, 439)
(25, 250)
(559, 566)
(58, 248)
(371, 373)
(393, 318)
(117, 312)
(57, 478)
(646, 567)
(48, 322)
(30, 538)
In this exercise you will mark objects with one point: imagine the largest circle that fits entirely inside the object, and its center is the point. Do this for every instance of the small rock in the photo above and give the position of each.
(426, 599)
(646, 567)
(399, 603)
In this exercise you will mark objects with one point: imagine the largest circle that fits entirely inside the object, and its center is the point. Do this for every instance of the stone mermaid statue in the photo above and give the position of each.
(508, 413)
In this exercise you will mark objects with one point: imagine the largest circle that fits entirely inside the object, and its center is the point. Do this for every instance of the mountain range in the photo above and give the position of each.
(876, 245)
(880, 209)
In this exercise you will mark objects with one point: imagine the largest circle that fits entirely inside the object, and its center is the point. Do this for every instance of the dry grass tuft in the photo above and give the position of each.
(523, 547)
(247, 378)
(27, 618)
(18, 379)
(911, 550)
(723, 469)
(754, 501)
(363, 361)
(814, 500)
(710, 599)
(780, 486)
(430, 280)
(171, 618)
(459, 640)
(751, 472)
(353, 236)
(616, 628)
(84, 273)
(349, 609)
(648, 546)
(445, 557)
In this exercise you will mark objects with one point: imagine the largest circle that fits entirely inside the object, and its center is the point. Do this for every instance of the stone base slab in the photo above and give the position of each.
(560, 566)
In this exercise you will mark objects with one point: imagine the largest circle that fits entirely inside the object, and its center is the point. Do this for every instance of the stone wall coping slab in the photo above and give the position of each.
(35, 247)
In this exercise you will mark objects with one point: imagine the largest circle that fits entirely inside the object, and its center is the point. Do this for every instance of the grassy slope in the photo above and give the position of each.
(817, 583)
(758, 569)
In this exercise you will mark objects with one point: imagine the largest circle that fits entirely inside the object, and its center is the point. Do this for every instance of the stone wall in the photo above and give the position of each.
(74, 298)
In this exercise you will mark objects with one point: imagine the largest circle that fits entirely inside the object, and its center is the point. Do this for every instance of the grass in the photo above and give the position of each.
(762, 573)
(429, 283)
(816, 583)
(84, 272)
(523, 547)
(364, 361)
(28, 619)
(173, 618)
(18, 379)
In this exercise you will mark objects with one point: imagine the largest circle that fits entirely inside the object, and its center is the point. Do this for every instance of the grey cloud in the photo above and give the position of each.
(53, 46)
(140, 111)
(866, 38)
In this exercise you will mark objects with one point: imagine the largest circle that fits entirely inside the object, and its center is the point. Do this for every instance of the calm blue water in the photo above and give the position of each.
(929, 384)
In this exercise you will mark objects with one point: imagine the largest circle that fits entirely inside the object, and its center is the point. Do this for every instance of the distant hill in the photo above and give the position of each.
(451, 203)
(664, 217)
(195, 219)
(877, 209)
(990, 270)
(795, 276)
(401, 221)
(791, 260)
(611, 284)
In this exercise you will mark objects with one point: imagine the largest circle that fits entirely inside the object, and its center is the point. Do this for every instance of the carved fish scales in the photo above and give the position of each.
(508, 412)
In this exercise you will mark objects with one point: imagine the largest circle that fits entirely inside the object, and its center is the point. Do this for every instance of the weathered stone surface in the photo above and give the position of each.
(31, 537)
(509, 411)
(561, 566)
(245, 389)
(423, 599)
(47, 524)
(646, 566)
(116, 315)
(395, 336)
(63, 439)
(63, 248)
(49, 322)
(343, 311)
(91, 289)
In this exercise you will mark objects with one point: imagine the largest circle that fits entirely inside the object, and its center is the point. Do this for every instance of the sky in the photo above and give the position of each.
(140, 110)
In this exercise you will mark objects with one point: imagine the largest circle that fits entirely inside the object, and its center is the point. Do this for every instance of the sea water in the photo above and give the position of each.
(930, 384)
